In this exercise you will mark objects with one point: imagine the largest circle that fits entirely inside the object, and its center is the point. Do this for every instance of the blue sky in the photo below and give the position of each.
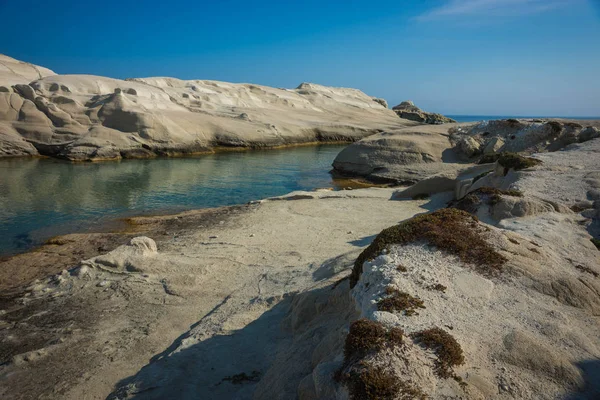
(485, 57)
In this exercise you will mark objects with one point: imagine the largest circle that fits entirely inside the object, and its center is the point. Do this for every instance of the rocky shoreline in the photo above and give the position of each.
(198, 294)
(87, 118)
(480, 280)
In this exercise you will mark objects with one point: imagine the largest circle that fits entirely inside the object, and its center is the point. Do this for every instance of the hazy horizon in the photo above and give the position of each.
(457, 57)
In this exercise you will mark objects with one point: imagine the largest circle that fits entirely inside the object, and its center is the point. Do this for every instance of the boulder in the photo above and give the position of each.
(523, 135)
(126, 258)
(469, 146)
(405, 155)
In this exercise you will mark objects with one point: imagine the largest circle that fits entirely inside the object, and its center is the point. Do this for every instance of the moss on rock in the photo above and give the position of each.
(488, 195)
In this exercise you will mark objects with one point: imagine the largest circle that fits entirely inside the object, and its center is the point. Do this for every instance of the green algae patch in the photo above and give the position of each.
(451, 230)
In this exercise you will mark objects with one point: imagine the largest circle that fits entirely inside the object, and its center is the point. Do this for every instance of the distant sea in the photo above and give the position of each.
(474, 118)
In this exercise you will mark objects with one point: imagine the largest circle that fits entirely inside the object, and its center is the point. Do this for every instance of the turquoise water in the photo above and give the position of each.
(41, 198)
(475, 118)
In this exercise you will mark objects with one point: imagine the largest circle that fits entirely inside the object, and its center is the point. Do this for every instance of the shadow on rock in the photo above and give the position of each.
(591, 375)
(227, 365)
(362, 242)
(343, 262)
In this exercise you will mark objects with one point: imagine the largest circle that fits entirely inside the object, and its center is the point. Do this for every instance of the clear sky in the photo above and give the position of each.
(485, 57)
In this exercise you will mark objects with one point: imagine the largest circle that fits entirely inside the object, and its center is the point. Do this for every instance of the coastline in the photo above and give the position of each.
(231, 243)
(17, 270)
(202, 288)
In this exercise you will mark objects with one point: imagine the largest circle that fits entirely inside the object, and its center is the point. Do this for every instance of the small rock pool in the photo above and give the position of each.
(41, 198)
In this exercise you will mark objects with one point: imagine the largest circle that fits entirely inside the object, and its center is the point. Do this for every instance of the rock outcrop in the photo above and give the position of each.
(520, 135)
(437, 302)
(400, 156)
(84, 117)
(408, 110)
(411, 154)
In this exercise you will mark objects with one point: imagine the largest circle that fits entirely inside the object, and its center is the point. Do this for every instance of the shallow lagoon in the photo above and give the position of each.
(41, 198)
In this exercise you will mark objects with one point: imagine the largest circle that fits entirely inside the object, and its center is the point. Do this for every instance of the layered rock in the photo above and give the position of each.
(411, 154)
(84, 117)
(408, 110)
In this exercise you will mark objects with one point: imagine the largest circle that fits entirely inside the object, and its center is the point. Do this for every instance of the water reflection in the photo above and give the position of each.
(40, 198)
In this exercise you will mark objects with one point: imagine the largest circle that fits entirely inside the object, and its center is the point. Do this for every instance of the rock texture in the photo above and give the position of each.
(234, 304)
(403, 155)
(84, 117)
(408, 110)
(14, 72)
(522, 135)
(411, 154)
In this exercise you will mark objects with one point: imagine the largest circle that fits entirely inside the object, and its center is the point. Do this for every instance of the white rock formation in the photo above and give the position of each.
(13, 72)
(84, 117)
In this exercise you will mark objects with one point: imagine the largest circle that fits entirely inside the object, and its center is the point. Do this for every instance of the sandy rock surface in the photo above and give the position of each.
(14, 72)
(84, 117)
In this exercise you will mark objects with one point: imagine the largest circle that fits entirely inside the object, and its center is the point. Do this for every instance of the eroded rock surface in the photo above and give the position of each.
(521, 135)
(84, 117)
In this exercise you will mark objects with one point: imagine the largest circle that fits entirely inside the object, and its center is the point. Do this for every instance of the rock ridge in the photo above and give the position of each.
(86, 118)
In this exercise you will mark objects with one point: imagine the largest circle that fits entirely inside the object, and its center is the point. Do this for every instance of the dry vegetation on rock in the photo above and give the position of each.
(454, 231)
(447, 349)
(400, 301)
(367, 336)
